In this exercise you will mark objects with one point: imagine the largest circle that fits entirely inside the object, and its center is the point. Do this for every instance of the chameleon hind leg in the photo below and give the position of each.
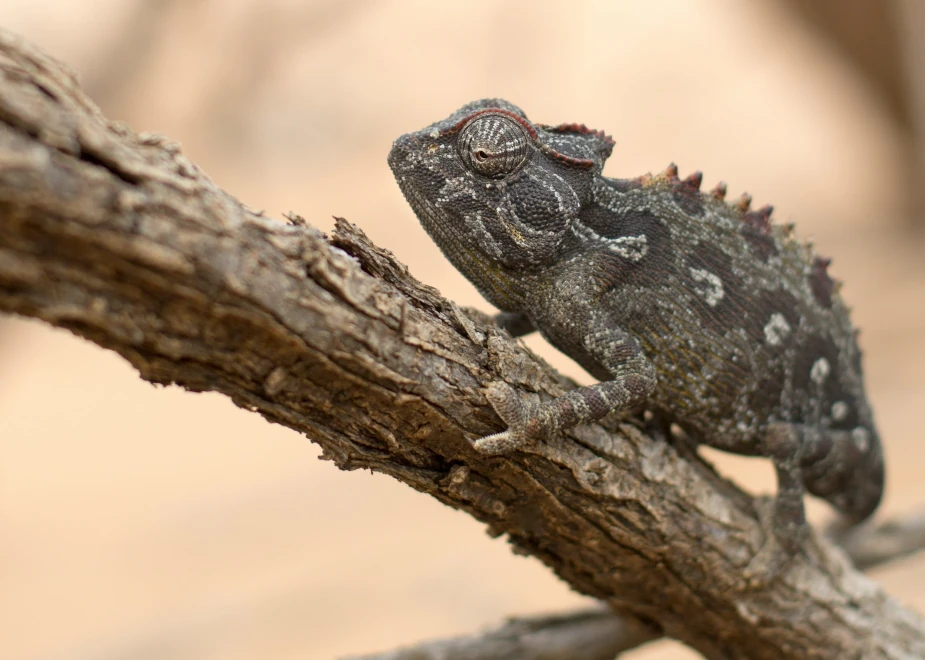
(786, 444)
(795, 450)
(783, 444)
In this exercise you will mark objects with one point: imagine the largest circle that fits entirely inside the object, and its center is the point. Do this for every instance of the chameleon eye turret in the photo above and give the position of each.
(493, 145)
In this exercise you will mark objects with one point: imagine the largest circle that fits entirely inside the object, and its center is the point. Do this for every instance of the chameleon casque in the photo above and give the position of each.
(704, 311)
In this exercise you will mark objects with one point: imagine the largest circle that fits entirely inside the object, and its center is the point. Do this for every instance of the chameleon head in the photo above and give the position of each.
(496, 191)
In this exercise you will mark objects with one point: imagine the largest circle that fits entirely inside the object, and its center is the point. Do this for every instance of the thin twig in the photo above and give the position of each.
(870, 546)
(588, 634)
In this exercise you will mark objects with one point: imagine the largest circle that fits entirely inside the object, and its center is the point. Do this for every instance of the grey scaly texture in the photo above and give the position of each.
(713, 317)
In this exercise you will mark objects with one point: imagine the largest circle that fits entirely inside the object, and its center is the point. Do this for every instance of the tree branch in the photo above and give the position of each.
(590, 634)
(120, 239)
(597, 633)
(869, 547)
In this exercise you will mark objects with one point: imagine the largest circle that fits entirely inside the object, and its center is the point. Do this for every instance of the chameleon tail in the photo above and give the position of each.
(850, 476)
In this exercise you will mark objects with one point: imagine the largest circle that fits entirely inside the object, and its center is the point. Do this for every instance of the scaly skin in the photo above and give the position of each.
(706, 312)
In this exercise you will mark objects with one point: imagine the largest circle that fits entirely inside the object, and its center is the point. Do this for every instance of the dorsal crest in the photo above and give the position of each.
(592, 146)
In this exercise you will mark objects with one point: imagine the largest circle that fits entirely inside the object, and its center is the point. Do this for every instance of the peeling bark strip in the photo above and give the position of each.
(119, 238)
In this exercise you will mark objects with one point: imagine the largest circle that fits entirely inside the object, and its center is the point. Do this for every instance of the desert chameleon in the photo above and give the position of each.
(704, 311)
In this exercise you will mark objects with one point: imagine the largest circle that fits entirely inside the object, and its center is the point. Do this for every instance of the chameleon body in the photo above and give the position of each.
(702, 310)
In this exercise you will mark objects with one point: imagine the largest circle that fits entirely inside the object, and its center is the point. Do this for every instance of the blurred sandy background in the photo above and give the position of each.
(139, 523)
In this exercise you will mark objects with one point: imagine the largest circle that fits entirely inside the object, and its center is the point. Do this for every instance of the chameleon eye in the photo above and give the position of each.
(493, 145)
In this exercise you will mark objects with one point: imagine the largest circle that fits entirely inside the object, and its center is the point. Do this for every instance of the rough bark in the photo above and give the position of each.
(120, 239)
(600, 634)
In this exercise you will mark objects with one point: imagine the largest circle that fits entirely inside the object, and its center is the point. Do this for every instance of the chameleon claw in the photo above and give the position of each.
(498, 443)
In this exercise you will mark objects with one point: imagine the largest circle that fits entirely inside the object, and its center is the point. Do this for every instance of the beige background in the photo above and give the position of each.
(149, 523)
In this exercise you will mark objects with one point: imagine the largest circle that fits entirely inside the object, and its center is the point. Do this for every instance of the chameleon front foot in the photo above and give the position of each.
(531, 422)
(525, 423)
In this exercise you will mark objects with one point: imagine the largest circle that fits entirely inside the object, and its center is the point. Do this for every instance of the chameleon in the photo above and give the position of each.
(702, 311)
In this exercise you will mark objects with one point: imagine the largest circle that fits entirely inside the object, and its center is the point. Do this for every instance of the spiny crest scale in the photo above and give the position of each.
(693, 181)
(743, 203)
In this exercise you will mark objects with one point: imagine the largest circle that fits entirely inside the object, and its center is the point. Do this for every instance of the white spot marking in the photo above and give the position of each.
(776, 330)
(435, 134)
(713, 291)
(820, 371)
(861, 438)
(632, 248)
(839, 411)
(476, 227)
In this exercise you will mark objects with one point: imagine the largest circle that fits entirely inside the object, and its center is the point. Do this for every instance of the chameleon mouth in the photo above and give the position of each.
(435, 220)
(445, 227)
(402, 155)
